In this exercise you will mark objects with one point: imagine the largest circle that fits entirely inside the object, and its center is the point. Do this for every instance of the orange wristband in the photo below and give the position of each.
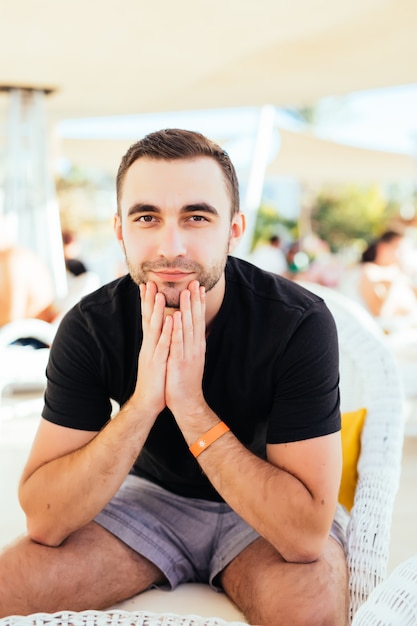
(208, 438)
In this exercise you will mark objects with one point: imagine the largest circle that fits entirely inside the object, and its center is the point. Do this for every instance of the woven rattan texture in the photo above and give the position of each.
(113, 618)
(369, 378)
(394, 602)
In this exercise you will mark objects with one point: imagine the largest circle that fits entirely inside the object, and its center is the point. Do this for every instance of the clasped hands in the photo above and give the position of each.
(171, 359)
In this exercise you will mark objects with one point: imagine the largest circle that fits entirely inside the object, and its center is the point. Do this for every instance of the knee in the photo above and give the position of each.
(329, 610)
(10, 582)
(311, 596)
(321, 611)
(22, 578)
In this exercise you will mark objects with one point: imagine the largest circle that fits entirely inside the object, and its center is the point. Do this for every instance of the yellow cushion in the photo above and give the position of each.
(352, 424)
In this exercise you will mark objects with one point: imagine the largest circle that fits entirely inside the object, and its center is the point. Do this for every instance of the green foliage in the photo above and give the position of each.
(85, 197)
(351, 213)
(269, 222)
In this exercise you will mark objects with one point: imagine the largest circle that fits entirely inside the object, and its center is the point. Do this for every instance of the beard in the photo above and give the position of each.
(207, 277)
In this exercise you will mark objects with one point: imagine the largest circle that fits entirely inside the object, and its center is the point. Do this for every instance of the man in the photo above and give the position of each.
(223, 463)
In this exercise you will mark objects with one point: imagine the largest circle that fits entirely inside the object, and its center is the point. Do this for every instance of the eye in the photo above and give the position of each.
(198, 218)
(145, 218)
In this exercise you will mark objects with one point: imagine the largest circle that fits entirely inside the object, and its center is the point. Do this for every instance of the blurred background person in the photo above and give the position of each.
(386, 289)
(80, 279)
(73, 263)
(297, 261)
(26, 286)
(380, 283)
(269, 256)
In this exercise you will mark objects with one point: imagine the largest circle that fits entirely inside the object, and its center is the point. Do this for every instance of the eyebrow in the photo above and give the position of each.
(199, 207)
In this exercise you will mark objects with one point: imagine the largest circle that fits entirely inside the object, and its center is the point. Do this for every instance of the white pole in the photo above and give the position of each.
(256, 178)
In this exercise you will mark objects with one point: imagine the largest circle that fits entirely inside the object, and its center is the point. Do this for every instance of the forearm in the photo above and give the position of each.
(271, 500)
(67, 492)
(66, 483)
(276, 503)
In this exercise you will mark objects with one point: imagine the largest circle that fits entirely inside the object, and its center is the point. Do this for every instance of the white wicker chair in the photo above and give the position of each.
(369, 377)
(393, 602)
(114, 618)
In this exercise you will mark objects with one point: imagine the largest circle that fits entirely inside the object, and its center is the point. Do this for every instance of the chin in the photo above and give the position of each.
(172, 304)
(172, 295)
(170, 310)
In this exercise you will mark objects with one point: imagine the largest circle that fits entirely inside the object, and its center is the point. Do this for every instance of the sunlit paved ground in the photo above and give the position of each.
(19, 417)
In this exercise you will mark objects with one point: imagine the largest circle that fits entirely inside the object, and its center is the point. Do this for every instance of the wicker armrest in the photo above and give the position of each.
(379, 468)
(369, 378)
(368, 534)
(393, 602)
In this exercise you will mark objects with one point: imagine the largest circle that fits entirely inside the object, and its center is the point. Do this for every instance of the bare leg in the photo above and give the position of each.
(92, 569)
(272, 592)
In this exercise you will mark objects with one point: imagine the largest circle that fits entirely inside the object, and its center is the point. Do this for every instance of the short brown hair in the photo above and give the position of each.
(174, 143)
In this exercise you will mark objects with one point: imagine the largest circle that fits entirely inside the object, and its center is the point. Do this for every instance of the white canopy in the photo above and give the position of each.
(305, 157)
(132, 56)
(312, 160)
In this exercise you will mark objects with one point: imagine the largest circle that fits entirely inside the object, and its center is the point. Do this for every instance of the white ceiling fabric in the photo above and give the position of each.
(303, 156)
(112, 57)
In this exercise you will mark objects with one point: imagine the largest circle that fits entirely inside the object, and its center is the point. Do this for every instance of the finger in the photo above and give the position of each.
(164, 343)
(202, 293)
(153, 306)
(147, 297)
(190, 304)
(198, 308)
(186, 316)
(157, 316)
(177, 338)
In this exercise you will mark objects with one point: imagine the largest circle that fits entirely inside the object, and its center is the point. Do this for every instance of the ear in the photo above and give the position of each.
(237, 229)
(117, 225)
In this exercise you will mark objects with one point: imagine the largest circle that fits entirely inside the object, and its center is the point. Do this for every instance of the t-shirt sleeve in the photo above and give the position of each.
(75, 396)
(306, 402)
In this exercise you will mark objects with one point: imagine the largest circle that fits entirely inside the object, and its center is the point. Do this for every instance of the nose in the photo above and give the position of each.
(171, 242)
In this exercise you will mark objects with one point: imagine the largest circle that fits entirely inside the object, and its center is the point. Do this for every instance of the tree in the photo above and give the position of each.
(269, 222)
(351, 213)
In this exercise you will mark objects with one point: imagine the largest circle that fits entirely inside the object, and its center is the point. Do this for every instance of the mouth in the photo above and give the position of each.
(172, 276)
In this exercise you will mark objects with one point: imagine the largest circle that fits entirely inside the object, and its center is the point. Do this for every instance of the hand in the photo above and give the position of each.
(153, 355)
(184, 393)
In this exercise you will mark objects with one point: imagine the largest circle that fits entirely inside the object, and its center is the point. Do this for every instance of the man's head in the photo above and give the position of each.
(172, 144)
(178, 212)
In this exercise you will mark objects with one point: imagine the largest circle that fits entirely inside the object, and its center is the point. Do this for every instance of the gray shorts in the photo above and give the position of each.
(189, 540)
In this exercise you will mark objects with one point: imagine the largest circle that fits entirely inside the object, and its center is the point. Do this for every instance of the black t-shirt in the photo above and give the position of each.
(271, 371)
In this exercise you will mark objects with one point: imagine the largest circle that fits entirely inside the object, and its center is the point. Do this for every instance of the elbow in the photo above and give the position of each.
(40, 533)
(40, 528)
(307, 549)
(301, 556)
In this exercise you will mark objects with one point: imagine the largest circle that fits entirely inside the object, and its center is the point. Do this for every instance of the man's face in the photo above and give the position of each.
(175, 224)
